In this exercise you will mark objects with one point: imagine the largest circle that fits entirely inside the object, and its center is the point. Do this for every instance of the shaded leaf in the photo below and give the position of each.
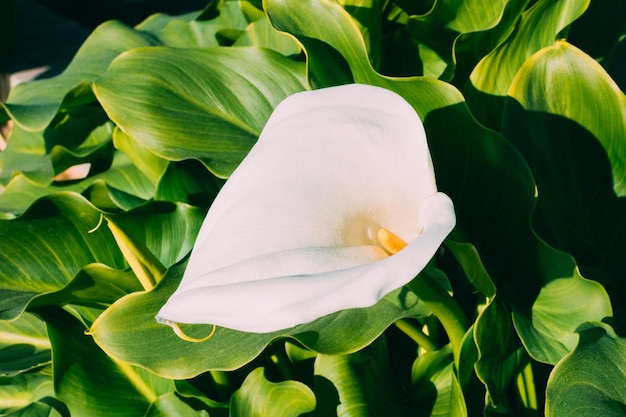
(33, 105)
(88, 381)
(359, 384)
(578, 159)
(437, 390)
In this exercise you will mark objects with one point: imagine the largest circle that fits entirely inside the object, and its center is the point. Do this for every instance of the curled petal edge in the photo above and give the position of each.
(281, 302)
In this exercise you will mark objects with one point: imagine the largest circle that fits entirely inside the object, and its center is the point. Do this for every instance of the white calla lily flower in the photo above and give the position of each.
(315, 218)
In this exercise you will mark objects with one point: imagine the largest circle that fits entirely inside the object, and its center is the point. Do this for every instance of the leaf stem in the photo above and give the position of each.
(410, 329)
(444, 308)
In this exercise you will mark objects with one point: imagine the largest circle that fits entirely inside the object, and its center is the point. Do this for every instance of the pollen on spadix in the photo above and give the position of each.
(391, 242)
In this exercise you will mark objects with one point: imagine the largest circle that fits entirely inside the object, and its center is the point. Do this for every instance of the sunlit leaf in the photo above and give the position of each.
(562, 304)
(24, 345)
(212, 103)
(47, 246)
(537, 28)
(131, 321)
(591, 381)
(169, 404)
(259, 397)
(17, 392)
(193, 30)
(437, 31)
(578, 158)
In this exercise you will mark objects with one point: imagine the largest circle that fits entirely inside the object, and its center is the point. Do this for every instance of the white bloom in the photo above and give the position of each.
(293, 234)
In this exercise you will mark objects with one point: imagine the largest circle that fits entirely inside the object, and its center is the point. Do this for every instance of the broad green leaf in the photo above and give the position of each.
(259, 397)
(261, 34)
(328, 32)
(88, 381)
(130, 322)
(33, 105)
(151, 165)
(95, 285)
(590, 381)
(562, 80)
(437, 31)
(548, 332)
(24, 345)
(194, 30)
(213, 102)
(435, 385)
(359, 384)
(537, 28)
(568, 118)
(166, 230)
(17, 392)
(47, 246)
(472, 47)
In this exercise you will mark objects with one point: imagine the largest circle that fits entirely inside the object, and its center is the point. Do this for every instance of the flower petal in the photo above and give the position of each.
(292, 235)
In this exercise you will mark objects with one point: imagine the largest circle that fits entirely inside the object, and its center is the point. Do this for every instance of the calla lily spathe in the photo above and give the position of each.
(293, 234)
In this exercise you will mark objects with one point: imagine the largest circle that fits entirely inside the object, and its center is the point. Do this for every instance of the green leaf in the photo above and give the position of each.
(38, 409)
(88, 381)
(17, 392)
(591, 381)
(123, 185)
(537, 28)
(435, 385)
(149, 164)
(193, 30)
(47, 246)
(166, 230)
(359, 384)
(33, 105)
(130, 322)
(578, 159)
(437, 31)
(562, 80)
(259, 397)
(490, 184)
(500, 354)
(24, 345)
(260, 33)
(188, 182)
(561, 306)
(215, 118)
(169, 404)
